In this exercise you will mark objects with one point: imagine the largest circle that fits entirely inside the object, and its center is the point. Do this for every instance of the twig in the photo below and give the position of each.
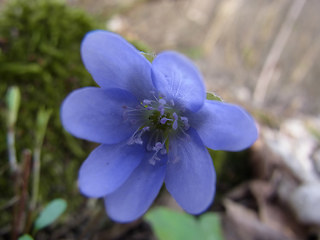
(224, 19)
(16, 185)
(275, 52)
(22, 188)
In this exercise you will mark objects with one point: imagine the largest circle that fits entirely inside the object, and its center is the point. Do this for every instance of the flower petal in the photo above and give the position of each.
(96, 114)
(115, 63)
(108, 167)
(224, 126)
(135, 196)
(190, 176)
(178, 79)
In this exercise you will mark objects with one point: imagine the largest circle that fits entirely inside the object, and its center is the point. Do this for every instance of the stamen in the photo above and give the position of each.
(164, 120)
(175, 123)
(146, 102)
(145, 129)
(187, 136)
(161, 109)
(133, 137)
(185, 122)
(154, 159)
(138, 140)
(184, 119)
(157, 147)
(136, 137)
(150, 141)
(132, 112)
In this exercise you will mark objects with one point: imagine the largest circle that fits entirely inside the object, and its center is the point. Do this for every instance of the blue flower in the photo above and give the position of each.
(153, 123)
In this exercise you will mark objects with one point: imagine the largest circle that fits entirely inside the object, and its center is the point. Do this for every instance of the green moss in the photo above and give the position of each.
(39, 52)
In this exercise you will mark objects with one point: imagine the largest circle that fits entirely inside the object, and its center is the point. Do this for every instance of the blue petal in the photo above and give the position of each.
(135, 196)
(96, 114)
(178, 79)
(224, 126)
(108, 167)
(115, 63)
(190, 176)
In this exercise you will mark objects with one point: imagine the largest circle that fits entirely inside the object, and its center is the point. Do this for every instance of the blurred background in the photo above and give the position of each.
(261, 54)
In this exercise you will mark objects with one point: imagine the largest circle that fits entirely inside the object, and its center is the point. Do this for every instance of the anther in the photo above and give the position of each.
(185, 122)
(158, 146)
(147, 128)
(161, 110)
(175, 116)
(136, 138)
(175, 123)
(146, 102)
(164, 120)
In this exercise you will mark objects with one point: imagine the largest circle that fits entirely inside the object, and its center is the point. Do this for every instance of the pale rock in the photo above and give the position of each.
(305, 203)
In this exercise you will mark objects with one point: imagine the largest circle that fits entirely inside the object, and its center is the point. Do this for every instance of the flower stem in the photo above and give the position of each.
(12, 150)
(21, 188)
(42, 122)
(36, 178)
(13, 103)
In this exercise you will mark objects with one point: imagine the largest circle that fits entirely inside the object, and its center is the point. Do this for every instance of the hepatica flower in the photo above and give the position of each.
(153, 123)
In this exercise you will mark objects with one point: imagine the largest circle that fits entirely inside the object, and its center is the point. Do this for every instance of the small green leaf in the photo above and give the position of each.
(172, 225)
(25, 237)
(13, 103)
(212, 96)
(41, 126)
(50, 213)
(211, 226)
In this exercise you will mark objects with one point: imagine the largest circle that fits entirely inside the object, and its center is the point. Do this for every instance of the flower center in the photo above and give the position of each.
(158, 117)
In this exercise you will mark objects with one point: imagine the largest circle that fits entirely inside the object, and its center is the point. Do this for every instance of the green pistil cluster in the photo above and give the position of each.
(160, 122)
